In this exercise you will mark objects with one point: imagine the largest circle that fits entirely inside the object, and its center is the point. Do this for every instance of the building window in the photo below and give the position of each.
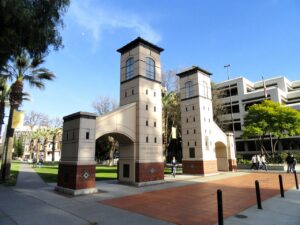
(129, 68)
(147, 139)
(194, 131)
(235, 109)
(146, 122)
(192, 152)
(186, 109)
(195, 143)
(194, 119)
(87, 135)
(205, 89)
(146, 91)
(150, 68)
(146, 107)
(188, 143)
(154, 94)
(132, 91)
(187, 131)
(154, 108)
(155, 140)
(188, 89)
(125, 94)
(193, 107)
(154, 124)
(187, 120)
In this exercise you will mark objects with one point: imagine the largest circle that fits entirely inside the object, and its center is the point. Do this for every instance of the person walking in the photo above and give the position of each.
(263, 162)
(258, 162)
(254, 161)
(173, 166)
(289, 161)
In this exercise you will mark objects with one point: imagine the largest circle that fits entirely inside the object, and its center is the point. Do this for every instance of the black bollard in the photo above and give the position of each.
(220, 208)
(258, 199)
(281, 186)
(296, 179)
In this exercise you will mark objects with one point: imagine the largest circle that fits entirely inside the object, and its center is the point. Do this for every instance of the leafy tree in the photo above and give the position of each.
(22, 69)
(32, 25)
(218, 106)
(18, 146)
(171, 117)
(56, 133)
(270, 119)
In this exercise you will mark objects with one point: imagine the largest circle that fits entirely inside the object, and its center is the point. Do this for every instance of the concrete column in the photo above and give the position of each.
(77, 167)
(231, 150)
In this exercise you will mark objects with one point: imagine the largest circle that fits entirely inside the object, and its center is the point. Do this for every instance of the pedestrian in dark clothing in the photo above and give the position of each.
(289, 160)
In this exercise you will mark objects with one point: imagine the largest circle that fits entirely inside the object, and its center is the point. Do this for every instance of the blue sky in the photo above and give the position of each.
(258, 38)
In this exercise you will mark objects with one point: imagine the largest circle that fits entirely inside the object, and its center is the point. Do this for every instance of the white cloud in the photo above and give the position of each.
(94, 20)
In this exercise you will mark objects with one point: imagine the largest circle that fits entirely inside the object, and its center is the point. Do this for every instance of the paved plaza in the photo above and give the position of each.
(184, 200)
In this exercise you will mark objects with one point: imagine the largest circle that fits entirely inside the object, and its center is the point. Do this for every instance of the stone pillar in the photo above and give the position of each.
(231, 152)
(77, 167)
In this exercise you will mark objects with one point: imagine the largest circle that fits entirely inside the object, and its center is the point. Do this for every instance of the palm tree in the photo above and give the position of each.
(23, 69)
(55, 133)
(45, 133)
(5, 89)
(38, 136)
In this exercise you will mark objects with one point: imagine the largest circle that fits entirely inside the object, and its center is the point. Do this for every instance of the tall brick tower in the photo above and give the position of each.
(141, 84)
(198, 145)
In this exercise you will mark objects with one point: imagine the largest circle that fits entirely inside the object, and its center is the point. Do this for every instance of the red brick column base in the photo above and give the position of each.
(232, 165)
(199, 167)
(145, 172)
(76, 176)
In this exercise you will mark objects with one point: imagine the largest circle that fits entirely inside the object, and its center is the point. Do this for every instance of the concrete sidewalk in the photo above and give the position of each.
(276, 211)
(33, 201)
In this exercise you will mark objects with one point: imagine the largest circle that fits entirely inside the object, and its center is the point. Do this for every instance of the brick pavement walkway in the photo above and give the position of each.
(196, 203)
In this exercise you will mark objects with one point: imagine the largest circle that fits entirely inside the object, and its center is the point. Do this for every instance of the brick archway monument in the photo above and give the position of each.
(137, 125)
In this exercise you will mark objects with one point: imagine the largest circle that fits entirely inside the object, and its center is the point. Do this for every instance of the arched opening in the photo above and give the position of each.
(222, 157)
(125, 155)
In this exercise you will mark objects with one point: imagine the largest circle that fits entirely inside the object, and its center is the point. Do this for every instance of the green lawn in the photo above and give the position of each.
(49, 172)
(168, 170)
(14, 171)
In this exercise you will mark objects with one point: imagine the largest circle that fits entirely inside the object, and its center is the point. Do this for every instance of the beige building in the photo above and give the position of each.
(206, 149)
(245, 93)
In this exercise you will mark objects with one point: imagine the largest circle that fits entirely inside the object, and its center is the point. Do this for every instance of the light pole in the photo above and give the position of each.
(231, 112)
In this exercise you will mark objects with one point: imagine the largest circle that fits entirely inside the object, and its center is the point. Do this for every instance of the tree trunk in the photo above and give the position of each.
(2, 115)
(38, 150)
(7, 148)
(45, 149)
(272, 146)
(53, 148)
